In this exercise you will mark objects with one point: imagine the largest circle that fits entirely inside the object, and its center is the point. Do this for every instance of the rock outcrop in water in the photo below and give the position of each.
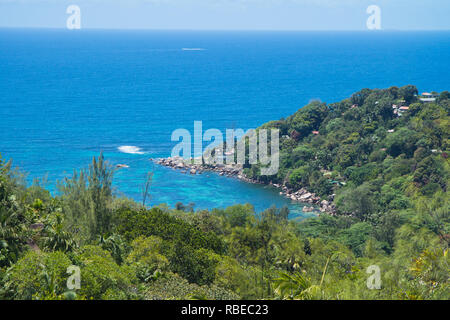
(232, 170)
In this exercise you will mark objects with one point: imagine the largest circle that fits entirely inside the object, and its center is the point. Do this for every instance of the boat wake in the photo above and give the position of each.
(193, 49)
(130, 150)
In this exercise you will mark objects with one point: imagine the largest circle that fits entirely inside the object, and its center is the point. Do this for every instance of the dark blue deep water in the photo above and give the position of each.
(65, 96)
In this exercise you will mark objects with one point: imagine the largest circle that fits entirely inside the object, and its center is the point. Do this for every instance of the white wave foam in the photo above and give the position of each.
(130, 149)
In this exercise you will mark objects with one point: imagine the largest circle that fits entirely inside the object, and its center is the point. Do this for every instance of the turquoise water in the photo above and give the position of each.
(65, 96)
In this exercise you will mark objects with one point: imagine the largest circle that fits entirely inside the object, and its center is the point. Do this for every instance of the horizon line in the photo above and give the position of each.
(227, 30)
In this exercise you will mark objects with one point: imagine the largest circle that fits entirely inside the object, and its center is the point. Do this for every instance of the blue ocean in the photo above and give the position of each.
(65, 96)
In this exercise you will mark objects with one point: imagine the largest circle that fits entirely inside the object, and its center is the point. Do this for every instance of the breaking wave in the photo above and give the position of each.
(130, 149)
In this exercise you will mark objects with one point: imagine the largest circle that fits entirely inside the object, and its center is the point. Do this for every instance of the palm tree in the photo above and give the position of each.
(11, 235)
(56, 238)
(294, 286)
(115, 245)
(13, 230)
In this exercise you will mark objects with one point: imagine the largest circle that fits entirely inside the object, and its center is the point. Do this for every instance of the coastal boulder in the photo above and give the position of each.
(305, 196)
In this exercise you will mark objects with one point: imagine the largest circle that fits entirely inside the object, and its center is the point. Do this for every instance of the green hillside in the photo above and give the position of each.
(385, 168)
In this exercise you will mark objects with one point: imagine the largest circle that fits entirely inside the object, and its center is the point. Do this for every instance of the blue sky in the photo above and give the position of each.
(228, 14)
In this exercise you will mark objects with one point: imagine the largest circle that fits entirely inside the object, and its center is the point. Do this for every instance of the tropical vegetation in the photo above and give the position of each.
(386, 171)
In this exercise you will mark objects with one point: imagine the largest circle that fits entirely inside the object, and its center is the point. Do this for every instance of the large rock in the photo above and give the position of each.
(305, 196)
(308, 209)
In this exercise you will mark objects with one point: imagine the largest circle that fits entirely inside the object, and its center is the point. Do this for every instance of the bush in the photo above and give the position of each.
(100, 274)
(146, 258)
(37, 275)
(154, 222)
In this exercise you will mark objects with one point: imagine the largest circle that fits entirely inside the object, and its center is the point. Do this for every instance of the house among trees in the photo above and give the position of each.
(429, 97)
(399, 110)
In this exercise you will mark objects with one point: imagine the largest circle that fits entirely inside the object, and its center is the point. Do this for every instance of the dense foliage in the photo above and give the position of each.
(388, 176)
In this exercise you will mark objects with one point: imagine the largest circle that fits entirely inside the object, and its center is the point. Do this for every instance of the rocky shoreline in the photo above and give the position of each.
(229, 170)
